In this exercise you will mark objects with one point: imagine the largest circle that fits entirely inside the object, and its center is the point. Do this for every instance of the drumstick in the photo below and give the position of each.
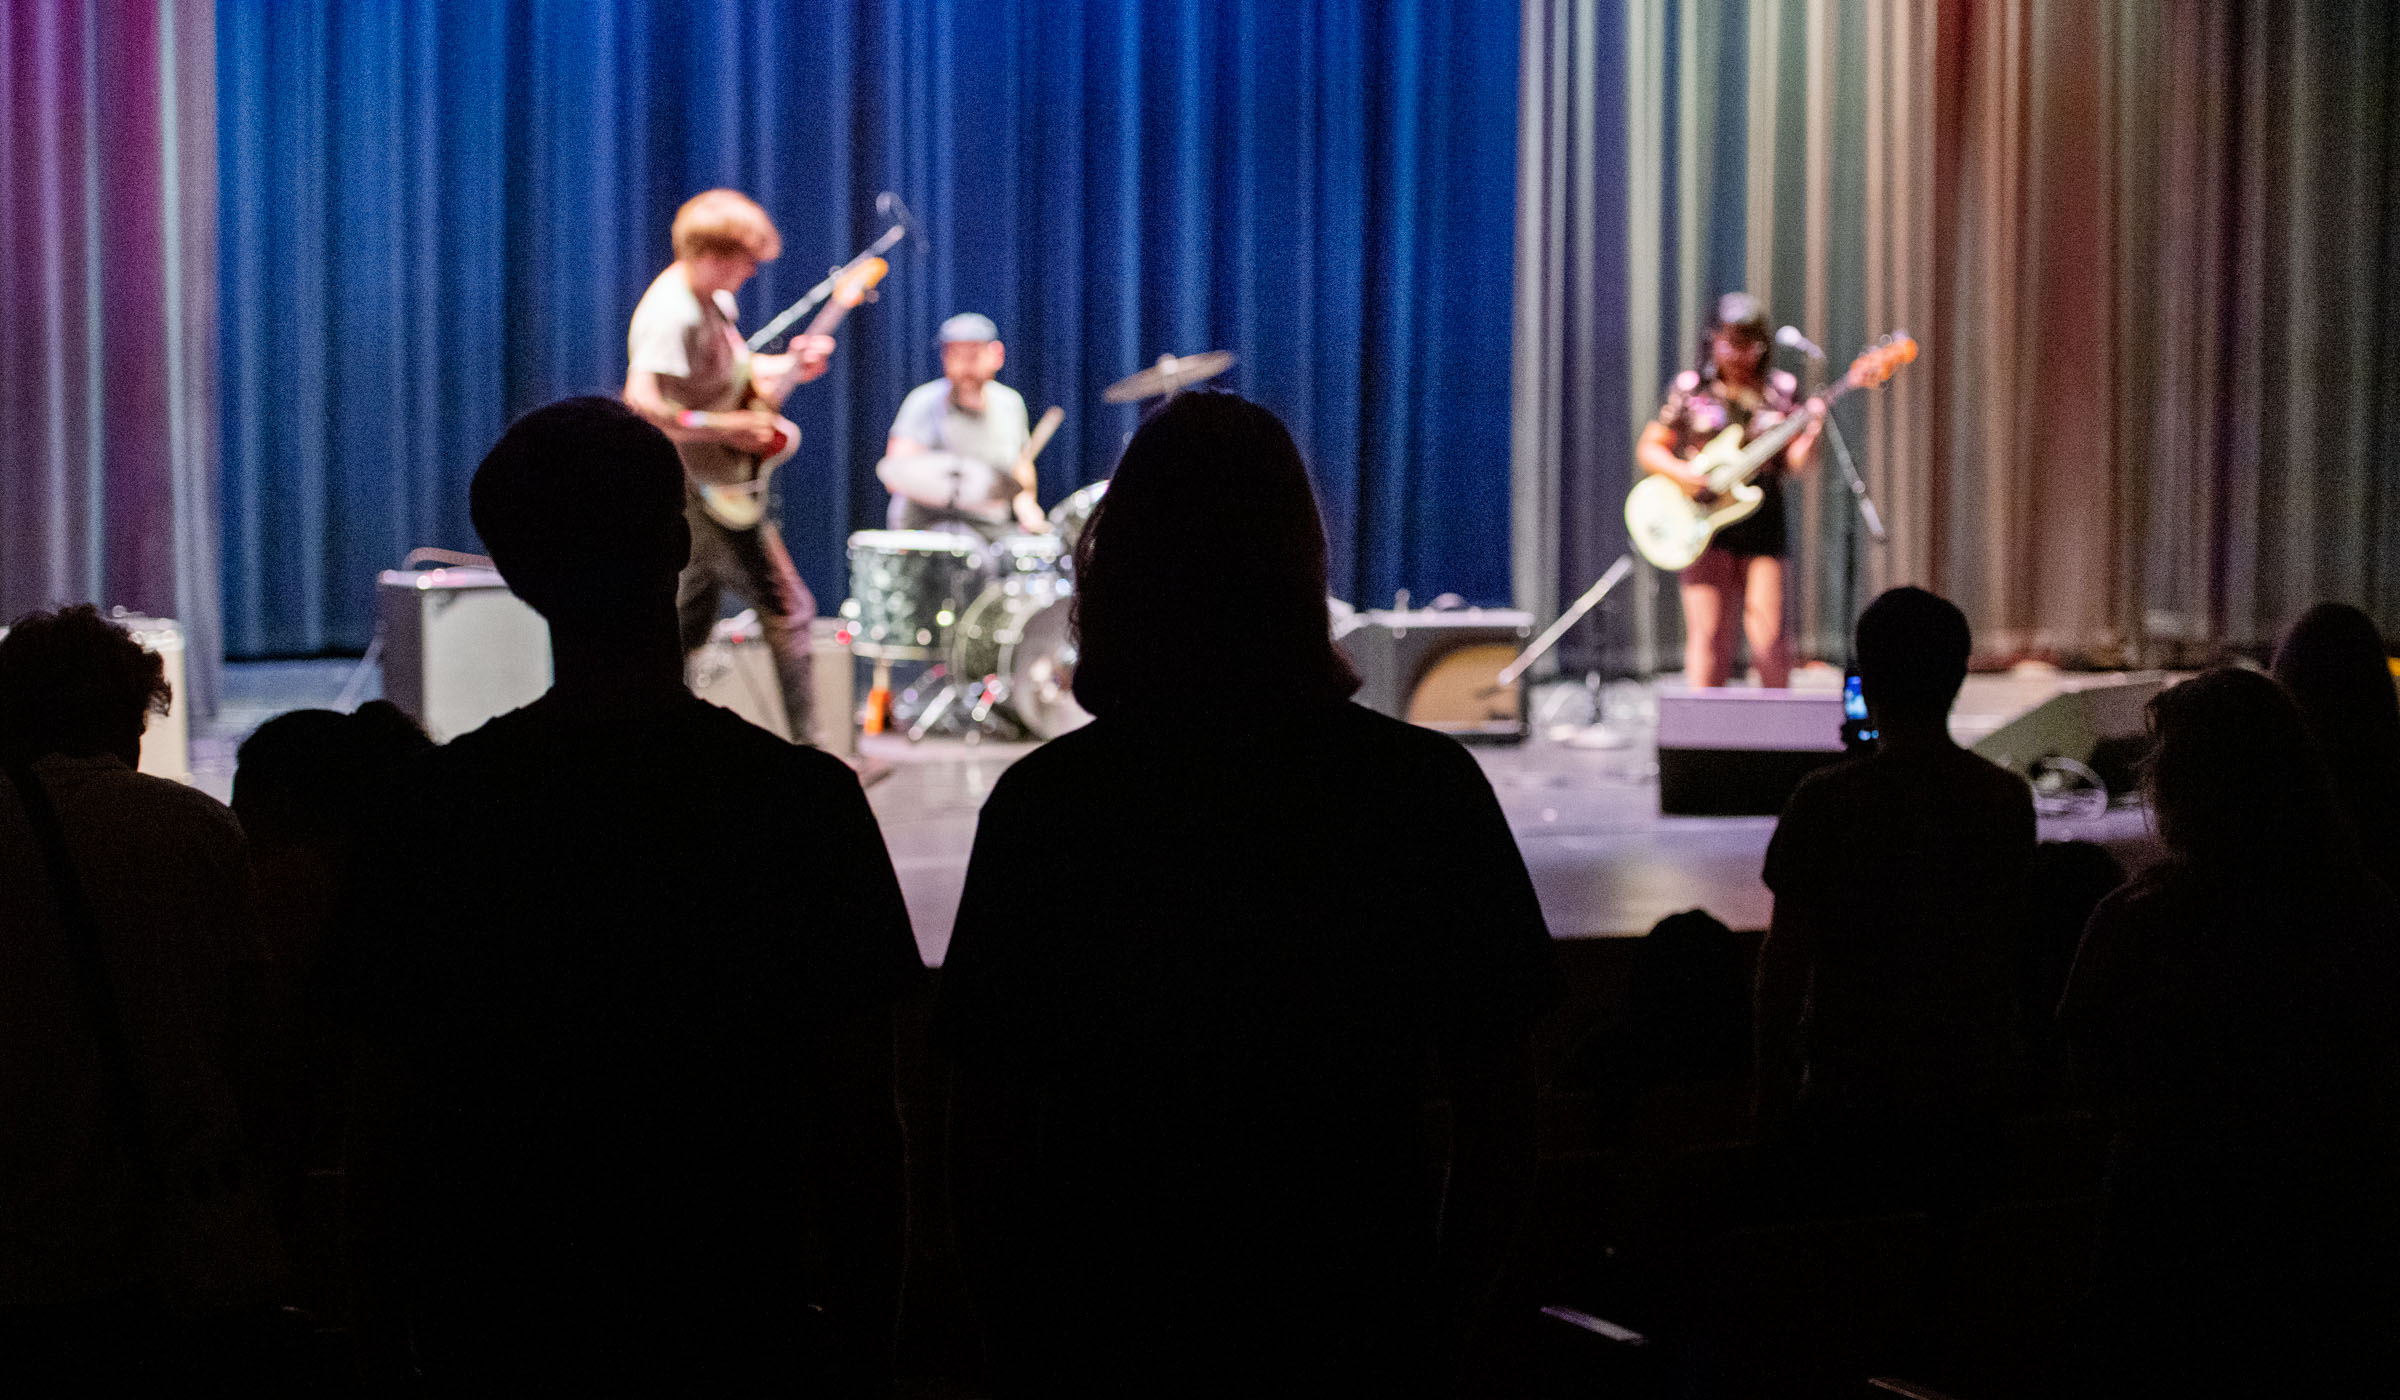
(1033, 448)
(1041, 434)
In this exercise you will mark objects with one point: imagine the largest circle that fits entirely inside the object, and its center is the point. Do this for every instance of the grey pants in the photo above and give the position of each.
(754, 566)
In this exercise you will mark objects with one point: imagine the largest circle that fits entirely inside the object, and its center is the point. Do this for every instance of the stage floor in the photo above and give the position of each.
(1604, 860)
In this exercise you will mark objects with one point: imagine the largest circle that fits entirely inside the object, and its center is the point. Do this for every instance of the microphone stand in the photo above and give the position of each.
(1867, 514)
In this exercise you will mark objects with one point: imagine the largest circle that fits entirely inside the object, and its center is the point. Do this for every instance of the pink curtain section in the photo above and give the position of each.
(107, 312)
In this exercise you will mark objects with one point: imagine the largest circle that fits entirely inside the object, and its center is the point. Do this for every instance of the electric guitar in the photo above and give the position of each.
(1671, 529)
(733, 486)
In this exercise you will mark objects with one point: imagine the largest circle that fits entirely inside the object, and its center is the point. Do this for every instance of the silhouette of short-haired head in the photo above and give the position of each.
(74, 683)
(309, 777)
(2234, 779)
(581, 505)
(2335, 664)
(1207, 545)
(1912, 655)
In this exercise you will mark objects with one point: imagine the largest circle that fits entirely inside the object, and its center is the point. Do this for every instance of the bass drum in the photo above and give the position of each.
(1016, 640)
(1069, 516)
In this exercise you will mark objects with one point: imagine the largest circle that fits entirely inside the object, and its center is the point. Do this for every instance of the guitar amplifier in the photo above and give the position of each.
(1440, 668)
(736, 670)
(458, 647)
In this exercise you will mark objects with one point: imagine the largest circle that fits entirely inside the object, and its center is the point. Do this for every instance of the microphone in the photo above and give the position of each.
(1790, 338)
(888, 206)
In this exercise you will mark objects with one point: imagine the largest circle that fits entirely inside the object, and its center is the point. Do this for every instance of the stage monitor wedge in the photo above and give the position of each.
(2101, 722)
(1738, 751)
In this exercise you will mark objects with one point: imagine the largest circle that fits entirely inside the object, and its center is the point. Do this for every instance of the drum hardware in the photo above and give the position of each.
(1168, 374)
(1069, 516)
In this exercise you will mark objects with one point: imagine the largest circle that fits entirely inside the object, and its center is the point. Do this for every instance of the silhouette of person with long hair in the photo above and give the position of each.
(630, 1129)
(2235, 1010)
(1188, 1157)
(2335, 664)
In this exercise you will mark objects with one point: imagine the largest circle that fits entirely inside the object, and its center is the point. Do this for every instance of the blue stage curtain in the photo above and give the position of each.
(439, 215)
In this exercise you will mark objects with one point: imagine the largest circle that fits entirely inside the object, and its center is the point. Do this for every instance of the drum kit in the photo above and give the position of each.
(990, 618)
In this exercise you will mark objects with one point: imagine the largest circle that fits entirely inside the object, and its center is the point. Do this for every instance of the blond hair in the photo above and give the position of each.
(725, 222)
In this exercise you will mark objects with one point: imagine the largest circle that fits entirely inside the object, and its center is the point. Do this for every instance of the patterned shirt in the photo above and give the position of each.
(1695, 412)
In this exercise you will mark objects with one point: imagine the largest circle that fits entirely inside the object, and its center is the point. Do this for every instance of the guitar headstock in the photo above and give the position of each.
(1882, 360)
(857, 280)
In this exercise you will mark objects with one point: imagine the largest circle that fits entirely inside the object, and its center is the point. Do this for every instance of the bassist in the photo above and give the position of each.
(1741, 573)
(689, 372)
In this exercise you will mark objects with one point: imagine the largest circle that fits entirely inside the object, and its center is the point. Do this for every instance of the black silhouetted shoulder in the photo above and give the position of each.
(1224, 1036)
(1905, 869)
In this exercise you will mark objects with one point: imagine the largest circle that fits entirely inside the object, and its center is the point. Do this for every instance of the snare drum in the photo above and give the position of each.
(907, 587)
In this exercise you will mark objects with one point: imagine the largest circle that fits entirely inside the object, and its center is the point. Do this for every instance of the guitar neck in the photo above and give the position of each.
(828, 317)
(1762, 450)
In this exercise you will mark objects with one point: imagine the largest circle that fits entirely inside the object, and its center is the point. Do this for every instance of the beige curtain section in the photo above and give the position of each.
(2151, 251)
(2163, 276)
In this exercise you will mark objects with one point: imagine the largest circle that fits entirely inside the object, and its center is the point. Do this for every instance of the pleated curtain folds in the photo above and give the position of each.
(441, 215)
(2149, 251)
(108, 331)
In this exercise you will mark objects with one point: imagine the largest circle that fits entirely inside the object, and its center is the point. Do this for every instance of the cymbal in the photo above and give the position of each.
(1171, 372)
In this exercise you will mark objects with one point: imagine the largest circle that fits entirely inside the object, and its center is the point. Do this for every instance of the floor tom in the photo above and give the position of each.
(1017, 643)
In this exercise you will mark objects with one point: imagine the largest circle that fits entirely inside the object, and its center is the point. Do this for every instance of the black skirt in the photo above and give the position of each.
(1763, 530)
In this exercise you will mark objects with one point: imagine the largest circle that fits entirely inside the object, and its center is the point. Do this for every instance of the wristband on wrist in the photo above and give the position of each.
(691, 418)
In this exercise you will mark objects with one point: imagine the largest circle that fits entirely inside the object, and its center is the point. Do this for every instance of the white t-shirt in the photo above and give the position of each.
(700, 359)
(985, 444)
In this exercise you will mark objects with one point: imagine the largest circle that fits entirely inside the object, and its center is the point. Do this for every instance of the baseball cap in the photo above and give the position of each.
(967, 325)
(1740, 310)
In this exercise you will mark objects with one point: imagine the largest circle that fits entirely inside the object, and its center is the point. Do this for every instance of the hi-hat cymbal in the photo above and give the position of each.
(1172, 372)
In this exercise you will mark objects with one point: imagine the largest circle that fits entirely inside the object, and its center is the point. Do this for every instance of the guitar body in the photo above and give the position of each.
(1672, 530)
(736, 496)
(733, 487)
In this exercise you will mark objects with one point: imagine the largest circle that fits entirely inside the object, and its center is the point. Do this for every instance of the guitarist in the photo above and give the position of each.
(1742, 571)
(689, 372)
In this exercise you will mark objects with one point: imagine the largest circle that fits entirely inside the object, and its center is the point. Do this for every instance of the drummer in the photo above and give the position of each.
(955, 461)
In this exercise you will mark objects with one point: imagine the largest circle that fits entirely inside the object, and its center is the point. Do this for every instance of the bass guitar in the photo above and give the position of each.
(732, 483)
(1671, 528)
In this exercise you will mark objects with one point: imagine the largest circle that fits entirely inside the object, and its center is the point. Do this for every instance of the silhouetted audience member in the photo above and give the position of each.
(1188, 1153)
(627, 1117)
(307, 784)
(2336, 666)
(128, 963)
(1673, 1068)
(1887, 986)
(2236, 1009)
(2064, 882)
